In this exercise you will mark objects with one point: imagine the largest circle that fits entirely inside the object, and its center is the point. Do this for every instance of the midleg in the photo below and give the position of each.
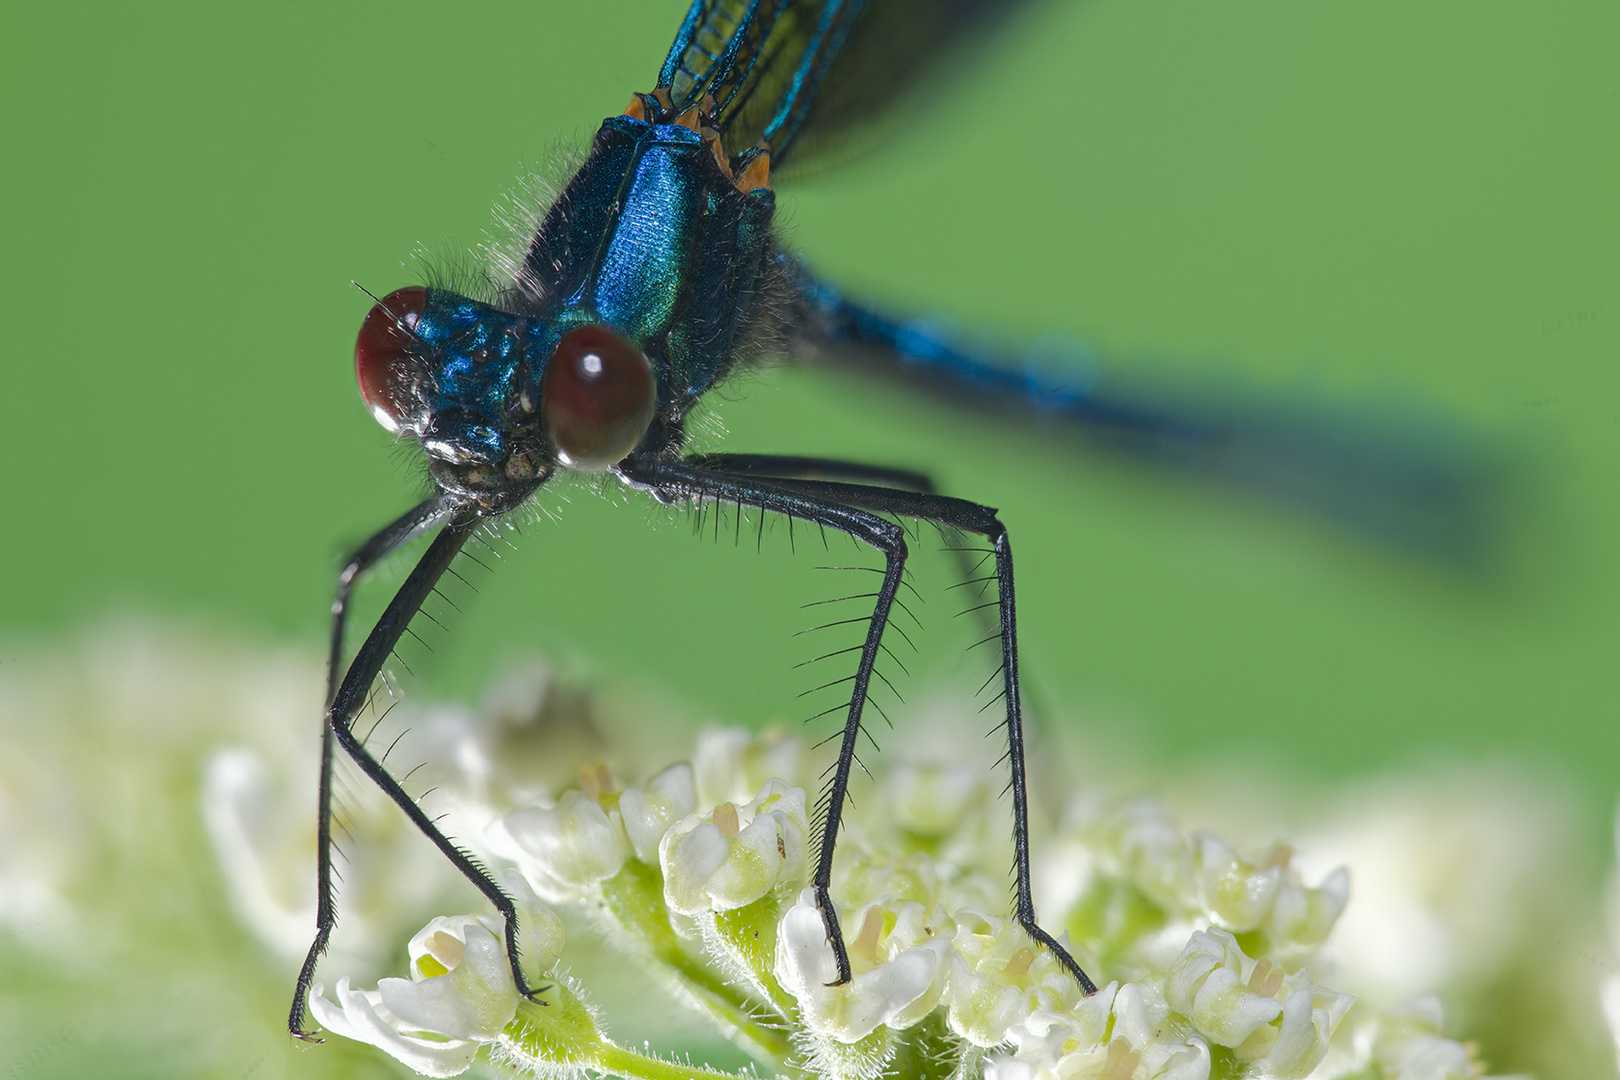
(672, 482)
(976, 518)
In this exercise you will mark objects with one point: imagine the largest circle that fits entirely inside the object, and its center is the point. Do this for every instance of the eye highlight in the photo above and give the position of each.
(598, 398)
(382, 355)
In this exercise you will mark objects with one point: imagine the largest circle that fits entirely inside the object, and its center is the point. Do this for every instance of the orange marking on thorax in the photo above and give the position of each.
(756, 174)
(711, 138)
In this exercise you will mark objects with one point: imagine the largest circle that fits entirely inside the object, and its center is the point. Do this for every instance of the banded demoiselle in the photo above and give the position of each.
(656, 275)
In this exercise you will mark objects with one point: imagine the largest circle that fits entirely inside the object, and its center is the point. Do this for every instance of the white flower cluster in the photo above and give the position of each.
(1467, 880)
(1131, 863)
(700, 874)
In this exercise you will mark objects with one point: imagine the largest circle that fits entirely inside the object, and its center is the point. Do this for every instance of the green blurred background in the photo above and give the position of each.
(1379, 203)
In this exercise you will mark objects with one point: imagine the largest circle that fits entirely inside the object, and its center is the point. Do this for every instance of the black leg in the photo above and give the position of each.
(677, 482)
(969, 517)
(787, 466)
(796, 467)
(391, 538)
(347, 702)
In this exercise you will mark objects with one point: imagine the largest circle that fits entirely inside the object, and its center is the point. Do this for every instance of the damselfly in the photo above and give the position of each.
(653, 277)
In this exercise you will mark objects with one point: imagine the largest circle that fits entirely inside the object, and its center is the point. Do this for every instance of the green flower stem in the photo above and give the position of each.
(560, 1032)
(633, 900)
(616, 1059)
(930, 1052)
(749, 934)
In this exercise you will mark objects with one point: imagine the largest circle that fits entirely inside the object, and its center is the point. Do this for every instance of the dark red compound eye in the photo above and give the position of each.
(382, 354)
(598, 398)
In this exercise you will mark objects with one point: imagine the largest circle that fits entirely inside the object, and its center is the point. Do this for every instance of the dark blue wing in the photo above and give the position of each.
(803, 78)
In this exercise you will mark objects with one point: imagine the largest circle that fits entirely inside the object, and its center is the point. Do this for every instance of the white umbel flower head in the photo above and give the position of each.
(696, 879)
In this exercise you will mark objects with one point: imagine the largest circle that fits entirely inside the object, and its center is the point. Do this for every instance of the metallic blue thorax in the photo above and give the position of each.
(650, 238)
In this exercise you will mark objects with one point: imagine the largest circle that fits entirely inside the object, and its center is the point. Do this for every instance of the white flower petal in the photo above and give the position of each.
(474, 1000)
(1139, 1012)
(337, 1018)
(648, 813)
(730, 764)
(1007, 1067)
(1304, 916)
(574, 842)
(1202, 954)
(854, 1010)
(1207, 984)
(540, 929)
(804, 958)
(982, 1011)
(750, 867)
(1235, 895)
(690, 858)
(1225, 1010)
(765, 843)
(1059, 1044)
(1428, 1057)
(1149, 851)
(1309, 1016)
(1180, 1060)
(889, 992)
(361, 1016)
(242, 811)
